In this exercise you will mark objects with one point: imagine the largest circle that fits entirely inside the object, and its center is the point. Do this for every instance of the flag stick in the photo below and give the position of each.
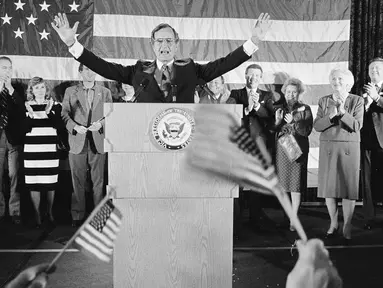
(86, 222)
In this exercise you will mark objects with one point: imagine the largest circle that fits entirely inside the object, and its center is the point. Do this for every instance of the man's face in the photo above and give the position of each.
(216, 85)
(375, 71)
(164, 45)
(5, 70)
(253, 78)
(87, 74)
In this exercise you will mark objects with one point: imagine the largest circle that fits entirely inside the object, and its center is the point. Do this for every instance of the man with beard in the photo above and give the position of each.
(167, 79)
(258, 118)
(372, 142)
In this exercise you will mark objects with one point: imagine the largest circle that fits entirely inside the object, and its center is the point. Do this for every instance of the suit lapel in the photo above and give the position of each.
(245, 98)
(81, 98)
(97, 96)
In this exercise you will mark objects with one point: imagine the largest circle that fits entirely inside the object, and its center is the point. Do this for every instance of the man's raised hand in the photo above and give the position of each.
(66, 33)
(261, 27)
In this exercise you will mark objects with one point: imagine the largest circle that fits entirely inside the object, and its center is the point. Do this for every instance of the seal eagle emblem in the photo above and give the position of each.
(173, 128)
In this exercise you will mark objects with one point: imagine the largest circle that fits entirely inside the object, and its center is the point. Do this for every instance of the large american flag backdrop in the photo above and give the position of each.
(307, 39)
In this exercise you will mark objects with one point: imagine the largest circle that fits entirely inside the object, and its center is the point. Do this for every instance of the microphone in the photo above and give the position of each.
(207, 90)
(142, 87)
(174, 93)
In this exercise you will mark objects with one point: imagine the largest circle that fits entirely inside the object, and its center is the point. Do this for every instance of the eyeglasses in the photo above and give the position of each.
(168, 41)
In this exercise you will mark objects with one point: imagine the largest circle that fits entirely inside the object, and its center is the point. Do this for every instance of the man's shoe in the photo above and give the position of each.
(16, 219)
(76, 223)
(367, 226)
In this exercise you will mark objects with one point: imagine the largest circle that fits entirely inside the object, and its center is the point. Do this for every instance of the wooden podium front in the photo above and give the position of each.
(178, 223)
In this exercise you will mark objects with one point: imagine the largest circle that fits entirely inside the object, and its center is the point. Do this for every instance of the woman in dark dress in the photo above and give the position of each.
(295, 118)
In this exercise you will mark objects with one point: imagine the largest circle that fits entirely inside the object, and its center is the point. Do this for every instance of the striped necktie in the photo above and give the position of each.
(165, 79)
(4, 108)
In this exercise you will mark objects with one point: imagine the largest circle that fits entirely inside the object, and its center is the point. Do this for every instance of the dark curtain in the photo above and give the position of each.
(366, 38)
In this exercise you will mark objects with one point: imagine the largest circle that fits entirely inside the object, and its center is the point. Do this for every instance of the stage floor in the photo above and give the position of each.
(261, 259)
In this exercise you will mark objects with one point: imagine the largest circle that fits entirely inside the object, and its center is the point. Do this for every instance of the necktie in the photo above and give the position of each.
(90, 95)
(4, 108)
(165, 80)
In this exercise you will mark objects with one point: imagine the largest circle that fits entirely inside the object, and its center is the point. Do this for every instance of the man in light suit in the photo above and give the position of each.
(169, 80)
(258, 117)
(82, 110)
(372, 142)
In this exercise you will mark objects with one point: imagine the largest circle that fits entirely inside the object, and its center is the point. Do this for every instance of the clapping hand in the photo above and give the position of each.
(49, 106)
(289, 118)
(5, 81)
(341, 109)
(29, 110)
(253, 100)
(66, 33)
(278, 115)
(261, 27)
(314, 268)
(333, 111)
(371, 91)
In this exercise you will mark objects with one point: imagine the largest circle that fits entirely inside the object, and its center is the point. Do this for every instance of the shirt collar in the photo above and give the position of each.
(379, 84)
(160, 64)
(248, 90)
(84, 88)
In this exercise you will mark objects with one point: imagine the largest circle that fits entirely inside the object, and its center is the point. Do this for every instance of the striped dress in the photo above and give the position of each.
(41, 160)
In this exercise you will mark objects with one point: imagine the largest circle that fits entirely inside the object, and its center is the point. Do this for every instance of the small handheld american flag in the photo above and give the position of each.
(223, 148)
(98, 236)
(98, 233)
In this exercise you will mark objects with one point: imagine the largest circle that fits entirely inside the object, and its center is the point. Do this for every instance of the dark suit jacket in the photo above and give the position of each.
(258, 122)
(16, 119)
(186, 74)
(373, 122)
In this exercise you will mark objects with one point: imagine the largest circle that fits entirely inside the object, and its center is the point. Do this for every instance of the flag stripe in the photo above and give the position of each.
(101, 236)
(95, 242)
(109, 233)
(222, 28)
(282, 10)
(116, 218)
(207, 50)
(92, 249)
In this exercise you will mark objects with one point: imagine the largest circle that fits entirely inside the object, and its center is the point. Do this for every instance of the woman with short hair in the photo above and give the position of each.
(339, 120)
(294, 119)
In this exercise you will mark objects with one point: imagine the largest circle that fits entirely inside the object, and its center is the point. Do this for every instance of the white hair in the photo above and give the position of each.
(348, 77)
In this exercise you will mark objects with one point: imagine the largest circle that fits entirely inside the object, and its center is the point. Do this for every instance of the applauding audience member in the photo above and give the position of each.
(12, 116)
(339, 120)
(293, 120)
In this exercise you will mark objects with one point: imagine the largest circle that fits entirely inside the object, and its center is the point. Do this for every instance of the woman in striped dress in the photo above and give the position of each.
(41, 160)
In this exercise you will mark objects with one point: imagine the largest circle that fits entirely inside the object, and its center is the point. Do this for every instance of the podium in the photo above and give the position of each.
(177, 226)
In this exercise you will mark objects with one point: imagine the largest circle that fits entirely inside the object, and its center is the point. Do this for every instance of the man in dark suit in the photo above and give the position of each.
(83, 107)
(12, 115)
(372, 142)
(258, 118)
(168, 80)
